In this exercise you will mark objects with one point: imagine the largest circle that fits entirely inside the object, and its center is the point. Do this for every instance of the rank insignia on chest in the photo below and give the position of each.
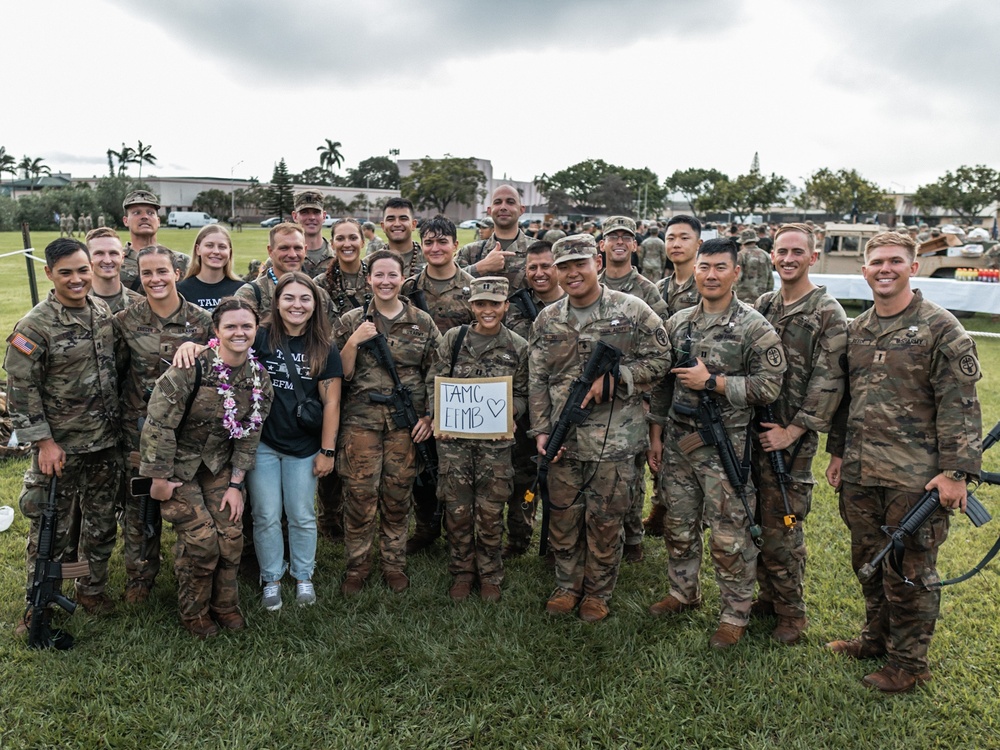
(615, 322)
(911, 331)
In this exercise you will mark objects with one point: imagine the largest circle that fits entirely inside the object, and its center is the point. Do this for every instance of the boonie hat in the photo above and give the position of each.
(748, 237)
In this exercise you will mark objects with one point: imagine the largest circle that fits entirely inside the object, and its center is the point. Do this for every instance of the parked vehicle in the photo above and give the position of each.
(272, 222)
(469, 224)
(188, 219)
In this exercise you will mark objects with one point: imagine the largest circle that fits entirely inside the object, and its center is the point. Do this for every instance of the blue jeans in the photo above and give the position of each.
(279, 482)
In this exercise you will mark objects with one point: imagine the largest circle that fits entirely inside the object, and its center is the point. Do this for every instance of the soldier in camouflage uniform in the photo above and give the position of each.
(70, 225)
(739, 363)
(618, 245)
(442, 290)
(373, 242)
(590, 485)
(106, 257)
(543, 289)
(100, 220)
(813, 330)
(88, 223)
(198, 462)
(910, 423)
(683, 238)
(398, 224)
(63, 398)
(143, 220)
(653, 256)
(310, 214)
(476, 475)
(151, 331)
(376, 459)
(504, 253)
(756, 272)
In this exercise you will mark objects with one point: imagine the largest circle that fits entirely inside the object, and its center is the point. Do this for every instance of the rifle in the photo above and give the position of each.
(604, 359)
(522, 300)
(400, 403)
(46, 585)
(913, 520)
(778, 466)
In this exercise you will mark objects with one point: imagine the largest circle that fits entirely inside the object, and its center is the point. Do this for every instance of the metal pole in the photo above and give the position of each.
(32, 284)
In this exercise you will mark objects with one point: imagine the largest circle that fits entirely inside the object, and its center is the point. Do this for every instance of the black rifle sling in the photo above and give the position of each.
(293, 374)
(456, 348)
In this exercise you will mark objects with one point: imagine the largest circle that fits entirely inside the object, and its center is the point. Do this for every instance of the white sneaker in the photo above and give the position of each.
(272, 596)
(305, 593)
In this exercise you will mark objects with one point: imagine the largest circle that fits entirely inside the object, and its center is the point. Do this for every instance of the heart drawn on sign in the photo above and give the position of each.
(495, 405)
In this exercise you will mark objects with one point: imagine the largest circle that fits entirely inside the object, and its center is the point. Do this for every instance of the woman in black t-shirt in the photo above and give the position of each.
(290, 457)
(211, 276)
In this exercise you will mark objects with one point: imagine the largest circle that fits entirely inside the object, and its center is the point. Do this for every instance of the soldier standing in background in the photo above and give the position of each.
(309, 214)
(911, 422)
(70, 225)
(143, 221)
(813, 330)
(756, 272)
(372, 241)
(398, 225)
(504, 252)
(653, 263)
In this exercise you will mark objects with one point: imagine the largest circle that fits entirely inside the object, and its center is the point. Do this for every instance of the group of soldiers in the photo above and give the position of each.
(704, 337)
(68, 226)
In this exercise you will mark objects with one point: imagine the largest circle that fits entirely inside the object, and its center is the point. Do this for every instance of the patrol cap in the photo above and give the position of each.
(492, 288)
(309, 199)
(574, 247)
(486, 222)
(140, 198)
(618, 224)
(748, 237)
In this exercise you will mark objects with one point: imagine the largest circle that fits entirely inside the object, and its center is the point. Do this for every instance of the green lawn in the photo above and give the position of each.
(417, 671)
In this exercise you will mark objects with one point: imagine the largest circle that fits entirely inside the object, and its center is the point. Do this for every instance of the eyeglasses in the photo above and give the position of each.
(619, 237)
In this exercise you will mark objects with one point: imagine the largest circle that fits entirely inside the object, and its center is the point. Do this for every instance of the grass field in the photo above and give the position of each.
(417, 671)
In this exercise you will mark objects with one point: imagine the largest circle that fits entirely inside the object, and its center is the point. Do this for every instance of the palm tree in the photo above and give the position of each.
(123, 157)
(32, 167)
(330, 156)
(7, 163)
(143, 154)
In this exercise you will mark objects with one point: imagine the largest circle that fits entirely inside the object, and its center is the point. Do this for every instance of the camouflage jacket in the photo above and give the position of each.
(120, 301)
(260, 294)
(513, 267)
(502, 355)
(150, 344)
(165, 453)
(413, 339)
(345, 293)
(652, 258)
(814, 336)
(61, 377)
(451, 307)
(678, 296)
(559, 350)
(413, 260)
(911, 410)
(518, 319)
(739, 344)
(129, 272)
(374, 245)
(638, 286)
(315, 262)
(756, 274)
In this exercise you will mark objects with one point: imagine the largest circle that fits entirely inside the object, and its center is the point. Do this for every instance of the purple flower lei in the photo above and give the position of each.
(236, 428)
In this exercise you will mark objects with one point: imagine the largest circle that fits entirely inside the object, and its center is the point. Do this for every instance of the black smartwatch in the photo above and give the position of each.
(328, 452)
(236, 486)
(710, 383)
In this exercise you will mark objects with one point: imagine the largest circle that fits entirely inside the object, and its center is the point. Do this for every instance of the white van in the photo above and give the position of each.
(188, 219)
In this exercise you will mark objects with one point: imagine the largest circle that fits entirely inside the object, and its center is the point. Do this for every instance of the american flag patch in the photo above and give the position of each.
(23, 344)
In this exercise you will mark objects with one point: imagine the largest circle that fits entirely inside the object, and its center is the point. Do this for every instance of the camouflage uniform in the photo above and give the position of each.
(120, 301)
(374, 245)
(202, 456)
(70, 226)
(911, 413)
(513, 268)
(100, 220)
(743, 347)
(756, 274)
(450, 307)
(813, 334)
(586, 533)
(476, 476)
(345, 293)
(413, 260)
(678, 296)
(316, 261)
(130, 267)
(62, 384)
(149, 346)
(88, 223)
(653, 258)
(377, 460)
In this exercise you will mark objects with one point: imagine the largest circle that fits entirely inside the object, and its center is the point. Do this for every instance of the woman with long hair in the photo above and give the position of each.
(377, 459)
(211, 276)
(293, 455)
(346, 278)
(198, 460)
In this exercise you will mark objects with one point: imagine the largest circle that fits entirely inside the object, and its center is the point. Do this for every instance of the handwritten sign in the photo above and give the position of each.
(474, 408)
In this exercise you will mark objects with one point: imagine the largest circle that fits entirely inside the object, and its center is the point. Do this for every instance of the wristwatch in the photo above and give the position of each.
(327, 452)
(956, 475)
(710, 383)
(236, 486)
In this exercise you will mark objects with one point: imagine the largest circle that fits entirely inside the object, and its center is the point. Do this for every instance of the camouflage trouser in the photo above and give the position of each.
(898, 618)
(378, 468)
(137, 568)
(781, 566)
(699, 496)
(330, 505)
(586, 534)
(476, 481)
(85, 513)
(520, 520)
(633, 519)
(209, 545)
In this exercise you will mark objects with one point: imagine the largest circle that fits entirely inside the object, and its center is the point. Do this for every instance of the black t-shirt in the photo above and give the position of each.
(281, 429)
(207, 296)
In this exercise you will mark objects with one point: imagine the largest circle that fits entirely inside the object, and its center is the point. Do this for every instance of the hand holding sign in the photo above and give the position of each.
(474, 408)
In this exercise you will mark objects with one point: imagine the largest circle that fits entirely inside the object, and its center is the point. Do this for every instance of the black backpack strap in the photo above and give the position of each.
(191, 397)
(256, 293)
(456, 348)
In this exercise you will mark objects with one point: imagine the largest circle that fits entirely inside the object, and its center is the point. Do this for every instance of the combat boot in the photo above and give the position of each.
(632, 553)
(23, 624)
(201, 627)
(137, 591)
(230, 620)
(671, 606)
(513, 549)
(461, 587)
(726, 636)
(561, 603)
(856, 649)
(789, 629)
(396, 580)
(354, 581)
(892, 679)
(423, 537)
(95, 604)
(593, 609)
(653, 523)
(489, 592)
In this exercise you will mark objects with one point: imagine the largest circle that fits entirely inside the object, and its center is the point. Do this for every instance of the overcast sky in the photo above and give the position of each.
(899, 91)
